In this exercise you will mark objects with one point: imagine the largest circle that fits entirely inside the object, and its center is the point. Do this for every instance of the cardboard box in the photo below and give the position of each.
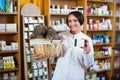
(2, 27)
(14, 45)
(2, 45)
(11, 27)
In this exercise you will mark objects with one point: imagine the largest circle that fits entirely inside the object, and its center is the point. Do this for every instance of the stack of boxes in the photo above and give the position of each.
(5, 47)
(8, 27)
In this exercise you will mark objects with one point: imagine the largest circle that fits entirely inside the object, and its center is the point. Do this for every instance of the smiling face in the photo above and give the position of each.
(73, 24)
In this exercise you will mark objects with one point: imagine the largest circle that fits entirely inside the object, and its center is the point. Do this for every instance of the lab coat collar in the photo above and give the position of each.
(76, 35)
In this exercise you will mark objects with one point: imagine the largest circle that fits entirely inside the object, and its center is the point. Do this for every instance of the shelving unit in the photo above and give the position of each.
(95, 21)
(33, 69)
(116, 66)
(10, 34)
(117, 25)
(117, 37)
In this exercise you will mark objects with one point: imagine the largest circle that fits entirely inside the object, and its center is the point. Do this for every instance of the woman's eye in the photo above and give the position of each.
(74, 20)
(69, 21)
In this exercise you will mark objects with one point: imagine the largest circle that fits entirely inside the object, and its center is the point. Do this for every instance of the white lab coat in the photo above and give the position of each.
(71, 65)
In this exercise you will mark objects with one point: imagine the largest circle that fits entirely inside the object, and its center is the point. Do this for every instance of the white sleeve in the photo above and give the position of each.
(89, 58)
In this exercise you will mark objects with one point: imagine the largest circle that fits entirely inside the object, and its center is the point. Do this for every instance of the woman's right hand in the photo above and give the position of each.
(36, 56)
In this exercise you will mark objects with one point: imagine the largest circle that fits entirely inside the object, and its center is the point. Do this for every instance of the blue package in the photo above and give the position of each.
(2, 5)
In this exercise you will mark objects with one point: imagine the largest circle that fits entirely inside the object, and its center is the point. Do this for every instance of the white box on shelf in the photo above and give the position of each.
(31, 28)
(26, 20)
(41, 20)
(30, 19)
(25, 35)
(35, 21)
(11, 27)
(35, 25)
(14, 45)
(2, 45)
(25, 29)
(30, 33)
(5, 76)
(8, 47)
(2, 27)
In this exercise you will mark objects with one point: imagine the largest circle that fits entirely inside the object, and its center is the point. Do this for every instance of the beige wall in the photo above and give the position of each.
(39, 3)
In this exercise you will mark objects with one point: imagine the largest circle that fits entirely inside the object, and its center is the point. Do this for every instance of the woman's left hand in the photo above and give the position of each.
(86, 46)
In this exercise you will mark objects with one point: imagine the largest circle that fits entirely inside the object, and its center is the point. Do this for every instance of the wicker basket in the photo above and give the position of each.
(48, 48)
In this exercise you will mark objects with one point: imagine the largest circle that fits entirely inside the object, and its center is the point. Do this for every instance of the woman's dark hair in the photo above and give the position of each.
(78, 15)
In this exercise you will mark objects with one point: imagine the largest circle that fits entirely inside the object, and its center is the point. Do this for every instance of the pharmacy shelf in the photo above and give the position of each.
(5, 33)
(102, 57)
(8, 51)
(9, 70)
(106, 70)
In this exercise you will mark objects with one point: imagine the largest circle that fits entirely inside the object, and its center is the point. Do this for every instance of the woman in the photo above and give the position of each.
(71, 65)
(78, 51)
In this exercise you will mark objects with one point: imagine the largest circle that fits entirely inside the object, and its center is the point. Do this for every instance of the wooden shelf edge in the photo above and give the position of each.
(117, 30)
(58, 14)
(90, 15)
(102, 57)
(97, 71)
(118, 2)
(117, 43)
(8, 70)
(117, 16)
(4, 13)
(8, 33)
(8, 51)
(52, 63)
(102, 44)
(117, 55)
(100, 1)
(62, 30)
(98, 30)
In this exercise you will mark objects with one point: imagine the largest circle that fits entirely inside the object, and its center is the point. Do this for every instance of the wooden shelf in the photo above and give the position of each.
(90, 15)
(58, 14)
(117, 43)
(9, 51)
(102, 44)
(98, 71)
(100, 1)
(117, 30)
(7, 14)
(32, 23)
(53, 63)
(1, 33)
(9, 70)
(117, 55)
(117, 16)
(118, 2)
(102, 57)
(12, 17)
(98, 30)
(64, 30)
(61, 31)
